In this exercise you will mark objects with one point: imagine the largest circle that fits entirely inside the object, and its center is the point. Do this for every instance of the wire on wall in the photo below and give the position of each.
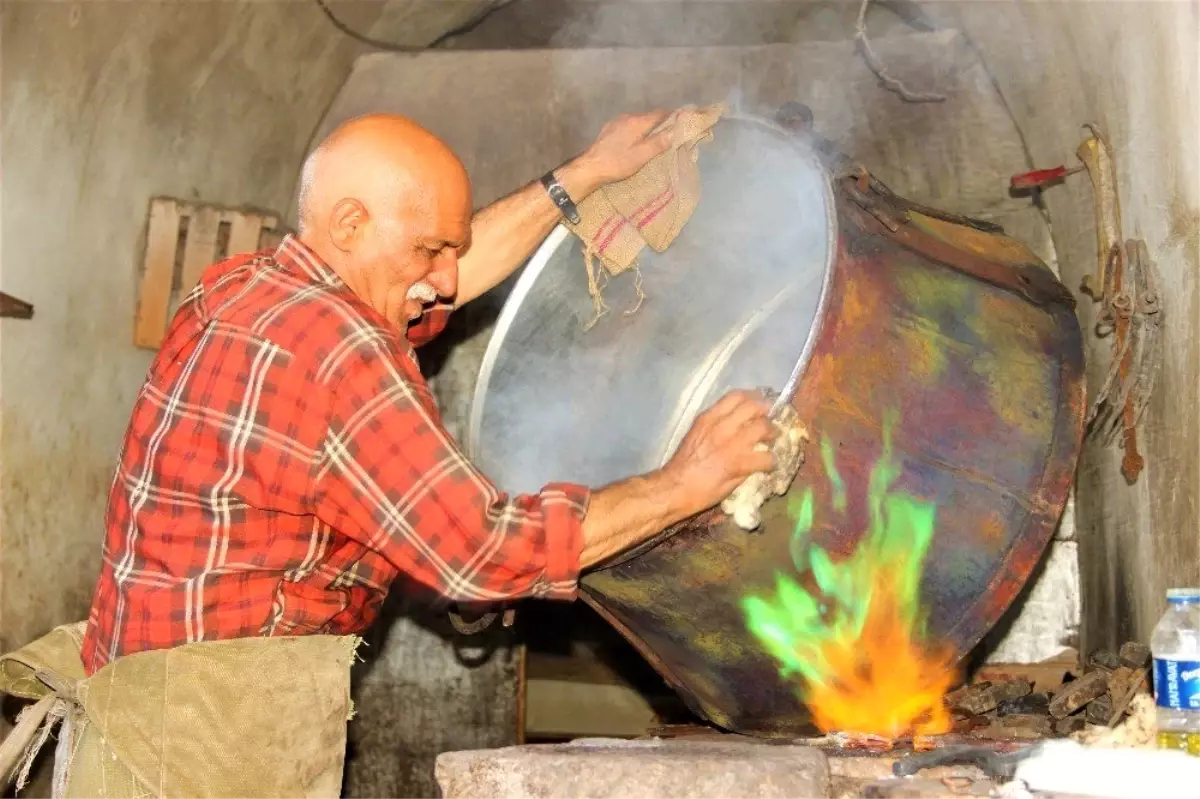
(379, 44)
(890, 83)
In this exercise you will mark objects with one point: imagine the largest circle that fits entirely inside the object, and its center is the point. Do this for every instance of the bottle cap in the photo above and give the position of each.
(1182, 596)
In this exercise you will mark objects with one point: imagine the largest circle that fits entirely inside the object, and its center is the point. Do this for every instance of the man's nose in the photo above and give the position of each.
(444, 277)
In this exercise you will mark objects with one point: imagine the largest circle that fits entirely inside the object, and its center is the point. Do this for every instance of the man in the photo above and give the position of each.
(285, 463)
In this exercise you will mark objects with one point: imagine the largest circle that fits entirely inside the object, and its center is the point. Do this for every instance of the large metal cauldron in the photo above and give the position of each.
(960, 330)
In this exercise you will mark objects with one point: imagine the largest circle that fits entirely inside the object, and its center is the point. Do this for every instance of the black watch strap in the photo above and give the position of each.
(560, 197)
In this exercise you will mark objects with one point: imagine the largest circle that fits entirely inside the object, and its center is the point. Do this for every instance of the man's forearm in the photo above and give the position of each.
(504, 234)
(627, 513)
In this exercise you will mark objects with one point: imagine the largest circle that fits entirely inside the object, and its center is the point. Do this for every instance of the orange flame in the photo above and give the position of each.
(856, 637)
(885, 683)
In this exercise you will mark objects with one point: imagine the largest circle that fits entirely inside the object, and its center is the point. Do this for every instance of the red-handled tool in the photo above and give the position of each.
(1040, 178)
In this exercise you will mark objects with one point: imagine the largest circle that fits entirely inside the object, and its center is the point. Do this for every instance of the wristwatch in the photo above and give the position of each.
(560, 197)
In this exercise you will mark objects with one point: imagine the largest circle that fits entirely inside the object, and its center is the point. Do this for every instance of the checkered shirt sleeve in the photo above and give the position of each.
(391, 477)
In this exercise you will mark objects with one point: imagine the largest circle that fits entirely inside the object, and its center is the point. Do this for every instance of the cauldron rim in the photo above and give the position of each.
(683, 418)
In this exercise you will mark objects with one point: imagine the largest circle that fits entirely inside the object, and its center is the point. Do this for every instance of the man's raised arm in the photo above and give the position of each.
(505, 233)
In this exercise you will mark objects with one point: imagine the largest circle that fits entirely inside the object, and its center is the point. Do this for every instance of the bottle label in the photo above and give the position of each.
(1177, 684)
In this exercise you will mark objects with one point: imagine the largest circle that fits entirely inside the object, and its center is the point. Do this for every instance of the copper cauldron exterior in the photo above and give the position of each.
(966, 336)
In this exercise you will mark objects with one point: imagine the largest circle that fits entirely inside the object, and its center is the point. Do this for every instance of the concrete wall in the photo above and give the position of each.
(1132, 68)
(104, 104)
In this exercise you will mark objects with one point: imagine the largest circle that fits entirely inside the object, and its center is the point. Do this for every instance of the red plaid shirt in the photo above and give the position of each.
(285, 462)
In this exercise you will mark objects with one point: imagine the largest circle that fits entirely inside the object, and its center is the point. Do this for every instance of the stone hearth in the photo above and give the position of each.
(701, 766)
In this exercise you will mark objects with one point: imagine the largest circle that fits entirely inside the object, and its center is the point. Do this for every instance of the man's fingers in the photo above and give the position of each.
(722, 407)
(659, 141)
(652, 119)
(761, 431)
(748, 411)
(756, 461)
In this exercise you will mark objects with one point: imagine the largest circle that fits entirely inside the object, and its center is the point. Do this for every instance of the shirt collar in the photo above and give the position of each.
(295, 254)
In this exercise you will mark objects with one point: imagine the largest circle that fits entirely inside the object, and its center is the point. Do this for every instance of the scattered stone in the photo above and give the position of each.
(1042, 725)
(1047, 675)
(1013, 689)
(1078, 693)
(1030, 703)
(1104, 659)
(1134, 655)
(1099, 711)
(974, 700)
(1069, 725)
(965, 724)
(1122, 681)
(998, 733)
(1137, 730)
(984, 697)
(918, 788)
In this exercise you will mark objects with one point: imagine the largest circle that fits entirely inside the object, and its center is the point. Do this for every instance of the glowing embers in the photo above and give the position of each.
(853, 631)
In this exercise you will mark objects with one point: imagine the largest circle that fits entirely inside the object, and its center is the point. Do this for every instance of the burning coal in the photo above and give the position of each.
(858, 642)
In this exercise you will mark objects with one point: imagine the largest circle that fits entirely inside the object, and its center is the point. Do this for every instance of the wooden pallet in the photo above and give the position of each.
(182, 239)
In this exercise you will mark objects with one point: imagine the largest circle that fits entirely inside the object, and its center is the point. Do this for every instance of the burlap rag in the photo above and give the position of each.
(650, 207)
(239, 718)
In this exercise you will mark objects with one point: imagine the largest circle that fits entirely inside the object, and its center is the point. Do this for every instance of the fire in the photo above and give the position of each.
(858, 642)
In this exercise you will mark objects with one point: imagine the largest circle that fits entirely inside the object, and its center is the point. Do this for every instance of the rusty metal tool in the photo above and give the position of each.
(1126, 286)
(1133, 316)
(1096, 155)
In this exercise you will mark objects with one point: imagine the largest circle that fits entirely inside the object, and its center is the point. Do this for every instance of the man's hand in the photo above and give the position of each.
(504, 234)
(623, 147)
(719, 452)
(713, 459)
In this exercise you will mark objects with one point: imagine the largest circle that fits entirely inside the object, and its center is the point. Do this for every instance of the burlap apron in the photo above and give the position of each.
(240, 718)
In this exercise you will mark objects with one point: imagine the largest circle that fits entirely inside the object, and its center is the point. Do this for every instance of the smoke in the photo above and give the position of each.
(598, 406)
(730, 304)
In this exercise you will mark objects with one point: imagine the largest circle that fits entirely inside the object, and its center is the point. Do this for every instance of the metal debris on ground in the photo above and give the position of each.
(1078, 693)
(1010, 707)
(1002, 765)
(1138, 730)
(984, 696)
(1134, 655)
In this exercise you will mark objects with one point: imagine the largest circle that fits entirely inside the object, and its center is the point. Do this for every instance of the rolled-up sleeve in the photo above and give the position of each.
(391, 477)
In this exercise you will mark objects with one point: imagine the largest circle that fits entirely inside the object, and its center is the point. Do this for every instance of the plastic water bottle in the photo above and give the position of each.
(1175, 645)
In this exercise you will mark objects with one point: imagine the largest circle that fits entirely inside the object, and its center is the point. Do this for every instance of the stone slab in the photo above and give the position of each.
(600, 767)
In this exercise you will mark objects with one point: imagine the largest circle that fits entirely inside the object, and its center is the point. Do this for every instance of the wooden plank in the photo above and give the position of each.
(245, 230)
(201, 247)
(158, 270)
(271, 236)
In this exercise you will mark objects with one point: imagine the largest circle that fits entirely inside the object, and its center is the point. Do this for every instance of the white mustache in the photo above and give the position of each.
(422, 292)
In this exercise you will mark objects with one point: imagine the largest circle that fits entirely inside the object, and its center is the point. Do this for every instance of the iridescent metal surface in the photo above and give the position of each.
(959, 330)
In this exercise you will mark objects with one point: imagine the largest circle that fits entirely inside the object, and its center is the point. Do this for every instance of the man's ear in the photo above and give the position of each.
(346, 222)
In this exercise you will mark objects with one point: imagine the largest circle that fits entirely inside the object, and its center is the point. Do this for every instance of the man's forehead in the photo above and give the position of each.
(449, 229)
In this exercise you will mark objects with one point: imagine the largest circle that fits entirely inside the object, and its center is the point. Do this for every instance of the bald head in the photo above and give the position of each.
(388, 206)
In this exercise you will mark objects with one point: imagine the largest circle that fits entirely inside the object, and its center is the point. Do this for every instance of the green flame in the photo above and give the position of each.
(796, 625)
